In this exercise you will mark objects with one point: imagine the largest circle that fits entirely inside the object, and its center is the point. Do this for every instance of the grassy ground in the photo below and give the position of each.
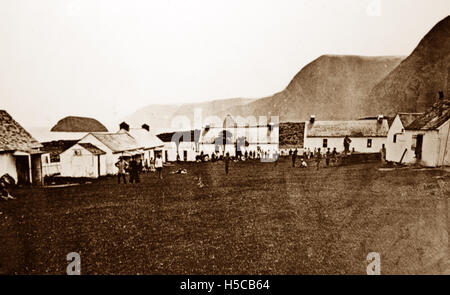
(260, 219)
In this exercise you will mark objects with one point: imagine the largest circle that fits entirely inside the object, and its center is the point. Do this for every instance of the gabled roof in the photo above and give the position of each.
(92, 148)
(117, 142)
(14, 137)
(180, 136)
(357, 128)
(144, 138)
(433, 118)
(408, 118)
(252, 134)
(56, 147)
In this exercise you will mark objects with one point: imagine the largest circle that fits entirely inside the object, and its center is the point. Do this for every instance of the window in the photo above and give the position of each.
(395, 138)
(325, 143)
(77, 152)
(369, 142)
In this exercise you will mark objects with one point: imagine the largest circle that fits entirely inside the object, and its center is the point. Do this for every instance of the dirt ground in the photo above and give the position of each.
(260, 219)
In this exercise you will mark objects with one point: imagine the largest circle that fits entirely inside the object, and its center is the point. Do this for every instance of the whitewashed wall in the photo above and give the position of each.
(395, 150)
(171, 149)
(83, 165)
(359, 143)
(111, 158)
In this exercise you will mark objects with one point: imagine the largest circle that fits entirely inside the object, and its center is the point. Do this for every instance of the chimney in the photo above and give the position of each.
(312, 119)
(441, 95)
(380, 119)
(124, 126)
(146, 127)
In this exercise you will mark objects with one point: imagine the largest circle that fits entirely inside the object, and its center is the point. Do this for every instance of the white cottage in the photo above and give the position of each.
(367, 135)
(233, 137)
(20, 154)
(181, 145)
(83, 160)
(114, 145)
(149, 143)
(396, 139)
(426, 140)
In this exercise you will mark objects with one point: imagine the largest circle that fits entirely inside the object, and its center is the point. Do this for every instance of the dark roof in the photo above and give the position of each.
(180, 136)
(408, 118)
(433, 118)
(92, 148)
(56, 147)
(13, 136)
(291, 135)
(79, 124)
(389, 119)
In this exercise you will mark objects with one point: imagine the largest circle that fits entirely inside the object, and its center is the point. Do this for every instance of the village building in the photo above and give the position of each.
(235, 137)
(367, 135)
(395, 142)
(149, 143)
(83, 160)
(115, 145)
(20, 154)
(180, 145)
(426, 140)
(52, 150)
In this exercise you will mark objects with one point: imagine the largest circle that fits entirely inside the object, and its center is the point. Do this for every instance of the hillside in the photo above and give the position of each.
(334, 87)
(78, 124)
(414, 85)
(161, 117)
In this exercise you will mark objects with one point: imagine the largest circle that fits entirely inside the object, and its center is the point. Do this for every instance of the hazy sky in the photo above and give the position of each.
(107, 58)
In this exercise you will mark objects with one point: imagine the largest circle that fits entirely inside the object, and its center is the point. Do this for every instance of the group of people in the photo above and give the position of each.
(134, 168)
(330, 157)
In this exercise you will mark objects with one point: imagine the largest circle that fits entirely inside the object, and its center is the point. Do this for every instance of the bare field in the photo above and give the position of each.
(260, 219)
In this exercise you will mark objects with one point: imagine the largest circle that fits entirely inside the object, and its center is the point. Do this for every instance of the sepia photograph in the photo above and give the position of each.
(224, 137)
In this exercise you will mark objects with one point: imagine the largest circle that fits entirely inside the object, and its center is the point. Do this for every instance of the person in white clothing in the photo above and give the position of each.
(159, 166)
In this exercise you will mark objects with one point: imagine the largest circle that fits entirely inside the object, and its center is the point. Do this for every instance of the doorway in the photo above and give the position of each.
(419, 145)
(23, 169)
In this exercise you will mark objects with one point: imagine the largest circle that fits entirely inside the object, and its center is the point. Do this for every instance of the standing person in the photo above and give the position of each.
(334, 156)
(318, 158)
(121, 165)
(383, 154)
(227, 163)
(347, 142)
(327, 157)
(294, 157)
(133, 170)
(139, 171)
(159, 166)
(152, 165)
